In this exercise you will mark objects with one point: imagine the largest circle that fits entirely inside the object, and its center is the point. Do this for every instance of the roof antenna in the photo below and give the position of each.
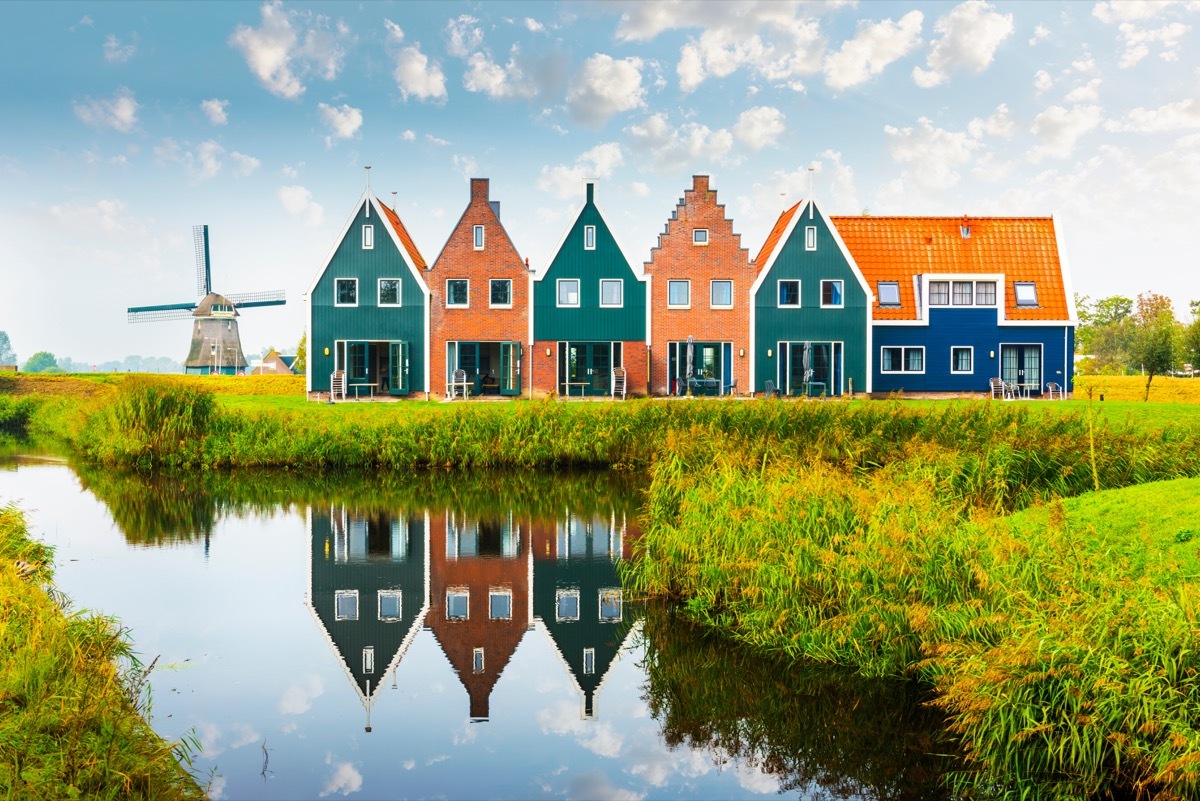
(783, 201)
(393, 200)
(811, 172)
(368, 169)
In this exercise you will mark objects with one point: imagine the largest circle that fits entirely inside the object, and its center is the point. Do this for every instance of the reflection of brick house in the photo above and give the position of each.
(699, 279)
(479, 597)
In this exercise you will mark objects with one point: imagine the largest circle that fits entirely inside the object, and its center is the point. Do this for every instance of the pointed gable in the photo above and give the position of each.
(775, 239)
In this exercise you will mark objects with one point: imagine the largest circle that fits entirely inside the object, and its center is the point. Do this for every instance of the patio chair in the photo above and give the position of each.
(769, 390)
(1001, 389)
(337, 385)
(731, 388)
(1054, 391)
(458, 382)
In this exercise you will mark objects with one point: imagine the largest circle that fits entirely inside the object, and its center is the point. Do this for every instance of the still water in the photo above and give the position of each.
(444, 636)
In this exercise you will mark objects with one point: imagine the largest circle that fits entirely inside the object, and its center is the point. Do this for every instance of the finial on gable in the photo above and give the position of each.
(367, 170)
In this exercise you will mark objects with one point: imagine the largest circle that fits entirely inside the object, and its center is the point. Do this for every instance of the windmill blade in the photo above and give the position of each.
(153, 314)
(203, 266)
(275, 297)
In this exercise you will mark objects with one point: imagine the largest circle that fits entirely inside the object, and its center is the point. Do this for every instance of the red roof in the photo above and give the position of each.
(899, 248)
(402, 233)
(773, 238)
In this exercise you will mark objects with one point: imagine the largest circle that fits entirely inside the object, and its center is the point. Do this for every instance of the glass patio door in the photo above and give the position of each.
(1022, 365)
(397, 368)
(510, 368)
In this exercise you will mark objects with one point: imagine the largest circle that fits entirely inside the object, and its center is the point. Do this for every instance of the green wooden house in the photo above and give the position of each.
(589, 312)
(369, 309)
(810, 310)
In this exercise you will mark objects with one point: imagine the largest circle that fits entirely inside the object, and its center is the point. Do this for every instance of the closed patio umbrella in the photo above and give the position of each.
(690, 371)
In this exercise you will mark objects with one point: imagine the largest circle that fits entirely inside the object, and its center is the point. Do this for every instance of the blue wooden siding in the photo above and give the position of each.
(367, 321)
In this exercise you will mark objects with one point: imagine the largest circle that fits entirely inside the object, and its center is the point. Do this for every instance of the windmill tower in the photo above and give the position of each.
(216, 346)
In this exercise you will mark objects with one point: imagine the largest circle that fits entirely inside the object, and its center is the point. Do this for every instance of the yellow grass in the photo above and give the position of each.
(93, 384)
(1163, 389)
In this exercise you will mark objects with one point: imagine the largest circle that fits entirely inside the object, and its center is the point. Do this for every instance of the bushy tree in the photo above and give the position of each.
(1191, 338)
(1155, 332)
(1106, 332)
(7, 355)
(41, 362)
(301, 363)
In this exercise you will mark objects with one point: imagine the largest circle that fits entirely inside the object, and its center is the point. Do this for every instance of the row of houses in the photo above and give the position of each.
(831, 305)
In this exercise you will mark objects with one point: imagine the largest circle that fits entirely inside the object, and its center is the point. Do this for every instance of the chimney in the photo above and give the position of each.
(479, 188)
(699, 183)
(591, 192)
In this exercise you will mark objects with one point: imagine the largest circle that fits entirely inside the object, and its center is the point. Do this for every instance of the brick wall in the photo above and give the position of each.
(545, 368)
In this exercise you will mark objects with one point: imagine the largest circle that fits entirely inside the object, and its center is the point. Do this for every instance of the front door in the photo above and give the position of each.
(1022, 365)
(510, 368)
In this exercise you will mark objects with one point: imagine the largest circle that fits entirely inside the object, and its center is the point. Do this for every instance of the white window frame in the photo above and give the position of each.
(338, 596)
(500, 591)
(399, 293)
(368, 658)
(841, 293)
(477, 664)
(888, 304)
(620, 283)
(368, 237)
(337, 281)
(971, 350)
(478, 237)
(620, 604)
(712, 285)
(810, 237)
(779, 303)
(953, 293)
(558, 293)
(589, 661)
(904, 349)
(1028, 303)
(949, 292)
(995, 290)
(466, 305)
(399, 605)
(589, 237)
(455, 591)
(510, 294)
(700, 237)
(558, 596)
(687, 283)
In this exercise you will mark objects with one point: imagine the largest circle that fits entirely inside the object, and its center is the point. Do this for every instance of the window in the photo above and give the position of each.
(589, 237)
(810, 237)
(939, 293)
(457, 604)
(699, 236)
(721, 294)
(889, 293)
(831, 295)
(789, 293)
(345, 605)
(477, 660)
(612, 292)
(568, 292)
(902, 360)
(479, 237)
(501, 293)
(369, 659)
(965, 231)
(589, 661)
(679, 294)
(356, 361)
(961, 360)
(964, 293)
(500, 604)
(1026, 293)
(985, 293)
(458, 293)
(389, 605)
(566, 603)
(610, 605)
(345, 292)
(368, 237)
(389, 291)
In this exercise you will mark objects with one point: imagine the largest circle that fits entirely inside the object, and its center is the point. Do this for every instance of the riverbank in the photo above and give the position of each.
(71, 717)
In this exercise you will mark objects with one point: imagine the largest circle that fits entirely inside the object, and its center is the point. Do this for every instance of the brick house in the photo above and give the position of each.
(699, 279)
(479, 303)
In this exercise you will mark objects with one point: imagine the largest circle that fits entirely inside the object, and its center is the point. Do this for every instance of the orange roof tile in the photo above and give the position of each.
(402, 232)
(773, 238)
(899, 248)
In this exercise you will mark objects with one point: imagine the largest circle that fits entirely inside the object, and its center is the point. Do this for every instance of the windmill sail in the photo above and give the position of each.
(203, 265)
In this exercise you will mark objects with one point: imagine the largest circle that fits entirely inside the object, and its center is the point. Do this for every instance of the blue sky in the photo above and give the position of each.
(126, 123)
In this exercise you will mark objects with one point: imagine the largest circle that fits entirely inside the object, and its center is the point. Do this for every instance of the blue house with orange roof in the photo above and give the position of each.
(961, 300)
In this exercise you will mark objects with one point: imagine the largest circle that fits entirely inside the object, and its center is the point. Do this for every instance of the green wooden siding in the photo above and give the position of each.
(367, 321)
(810, 322)
(589, 321)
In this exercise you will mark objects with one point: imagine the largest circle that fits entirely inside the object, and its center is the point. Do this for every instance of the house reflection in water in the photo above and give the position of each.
(368, 589)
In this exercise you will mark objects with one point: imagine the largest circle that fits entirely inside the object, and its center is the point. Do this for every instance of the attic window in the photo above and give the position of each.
(810, 237)
(1026, 293)
(479, 237)
(589, 661)
(477, 660)
(368, 237)
(589, 237)
(889, 293)
(457, 604)
(965, 230)
(699, 236)
(369, 659)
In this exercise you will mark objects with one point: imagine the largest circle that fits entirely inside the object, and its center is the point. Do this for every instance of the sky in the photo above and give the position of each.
(122, 125)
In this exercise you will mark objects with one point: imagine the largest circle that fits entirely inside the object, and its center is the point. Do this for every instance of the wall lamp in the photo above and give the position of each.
(547, 351)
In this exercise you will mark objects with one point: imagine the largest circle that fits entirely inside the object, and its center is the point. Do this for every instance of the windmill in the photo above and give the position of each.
(216, 345)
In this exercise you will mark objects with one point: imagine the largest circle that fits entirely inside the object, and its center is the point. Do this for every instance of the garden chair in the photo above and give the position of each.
(458, 382)
(1001, 389)
(1054, 391)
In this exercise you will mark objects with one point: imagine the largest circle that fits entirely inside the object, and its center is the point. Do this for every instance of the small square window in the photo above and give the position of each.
(589, 661)
(679, 294)
(589, 237)
(477, 660)
(389, 291)
(939, 293)
(390, 605)
(566, 603)
(368, 237)
(961, 360)
(345, 292)
(964, 293)
(789, 293)
(610, 605)
(501, 292)
(345, 605)
(810, 237)
(479, 237)
(699, 236)
(458, 293)
(831, 294)
(612, 292)
(500, 605)
(457, 603)
(889, 293)
(985, 293)
(1026, 293)
(568, 292)
(722, 295)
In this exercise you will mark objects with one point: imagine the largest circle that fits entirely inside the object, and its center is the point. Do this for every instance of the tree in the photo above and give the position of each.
(1106, 332)
(7, 356)
(1155, 331)
(1191, 337)
(41, 362)
(301, 363)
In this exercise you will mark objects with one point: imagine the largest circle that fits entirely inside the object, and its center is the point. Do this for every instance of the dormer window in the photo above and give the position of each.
(1026, 293)
(368, 237)
(810, 237)
(699, 236)
(479, 237)
(889, 293)
(589, 237)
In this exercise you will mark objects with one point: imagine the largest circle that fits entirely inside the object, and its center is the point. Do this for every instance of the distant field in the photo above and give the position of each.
(1163, 389)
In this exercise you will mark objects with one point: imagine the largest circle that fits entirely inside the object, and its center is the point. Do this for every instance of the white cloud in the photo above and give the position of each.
(343, 123)
(759, 127)
(434, 140)
(345, 779)
(605, 86)
(278, 57)
(243, 164)
(291, 170)
(840, 181)
(666, 149)
(1111, 11)
(467, 167)
(533, 25)
(1042, 82)
(932, 158)
(117, 53)
(298, 697)
(971, 34)
(1039, 33)
(497, 82)
(873, 47)
(84, 22)
(639, 189)
(1089, 92)
(1181, 116)
(214, 109)
(298, 202)
(415, 75)
(999, 124)
(408, 136)
(1138, 41)
(463, 35)
(119, 113)
(564, 181)
(207, 161)
(1085, 64)
(1059, 129)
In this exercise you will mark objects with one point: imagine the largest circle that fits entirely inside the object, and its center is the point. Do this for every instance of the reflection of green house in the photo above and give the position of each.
(577, 598)
(368, 589)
